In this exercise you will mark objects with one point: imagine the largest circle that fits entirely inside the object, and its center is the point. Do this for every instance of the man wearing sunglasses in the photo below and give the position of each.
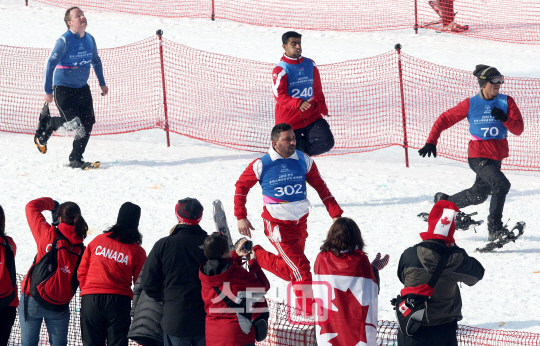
(491, 115)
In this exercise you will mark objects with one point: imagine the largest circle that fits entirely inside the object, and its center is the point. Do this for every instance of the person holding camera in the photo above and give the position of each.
(236, 312)
(171, 275)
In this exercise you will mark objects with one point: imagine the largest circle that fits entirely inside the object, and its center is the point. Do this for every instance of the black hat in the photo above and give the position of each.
(189, 211)
(483, 72)
(129, 215)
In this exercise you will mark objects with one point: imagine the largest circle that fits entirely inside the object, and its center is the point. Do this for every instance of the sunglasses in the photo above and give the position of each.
(496, 80)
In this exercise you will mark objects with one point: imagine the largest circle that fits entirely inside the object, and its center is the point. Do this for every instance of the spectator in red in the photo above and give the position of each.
(110, 265)
(445, 9)
(58, 290)
(354, 284)
(300, 99)
(8, 289)
(222, 278)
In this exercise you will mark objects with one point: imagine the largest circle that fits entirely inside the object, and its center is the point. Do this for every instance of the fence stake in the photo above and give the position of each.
(416, 16)
(405, 143)
(213, 13)
(160, 33)
(26, 2)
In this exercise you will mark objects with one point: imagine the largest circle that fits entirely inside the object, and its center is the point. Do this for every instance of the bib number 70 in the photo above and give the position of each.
(289, 190)
(493, 131)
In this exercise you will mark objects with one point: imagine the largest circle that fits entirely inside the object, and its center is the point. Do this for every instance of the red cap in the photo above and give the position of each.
(442, 222)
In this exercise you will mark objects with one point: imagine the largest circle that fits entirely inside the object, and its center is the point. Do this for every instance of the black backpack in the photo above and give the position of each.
(8, 279)
(46, 267)
(411, 308)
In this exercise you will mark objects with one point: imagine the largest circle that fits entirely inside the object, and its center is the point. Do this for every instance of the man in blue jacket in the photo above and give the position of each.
(66, 81)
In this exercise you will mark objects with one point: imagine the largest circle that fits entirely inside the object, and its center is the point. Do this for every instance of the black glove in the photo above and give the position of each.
(54, 216)
(428, 149)
(498, 114)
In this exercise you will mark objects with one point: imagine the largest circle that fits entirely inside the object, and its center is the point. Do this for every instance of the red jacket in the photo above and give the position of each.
(110, 267)
(57, 289)
(251, 175)
(354, 291)
(287, 106)
(494, 149)
(15, 302)
(223, 328)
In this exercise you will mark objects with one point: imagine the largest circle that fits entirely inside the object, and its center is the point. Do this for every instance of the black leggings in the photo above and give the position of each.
(7, 318)
(105, 317)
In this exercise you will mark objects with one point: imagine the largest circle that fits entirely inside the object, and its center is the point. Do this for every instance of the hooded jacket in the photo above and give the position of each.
(57, 289)
(170, 275)
(223, 328)
(416, 265)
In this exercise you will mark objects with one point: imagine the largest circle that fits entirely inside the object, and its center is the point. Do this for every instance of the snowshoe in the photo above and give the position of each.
(44, 129)
(41, 147)
(463, 221)
(221, 221)
(516, 232)
(453, 27)
(84, 165)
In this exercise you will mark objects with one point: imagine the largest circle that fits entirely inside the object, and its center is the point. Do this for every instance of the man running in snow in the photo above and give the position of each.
(70, 60)
(299, 96)
(491, 115)
(283, 174)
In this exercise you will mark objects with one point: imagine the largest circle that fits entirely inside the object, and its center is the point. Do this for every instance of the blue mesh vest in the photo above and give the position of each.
(482, 125)
(283, 180)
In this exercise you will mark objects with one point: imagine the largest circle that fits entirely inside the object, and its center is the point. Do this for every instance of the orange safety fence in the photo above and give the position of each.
(282, 333)
(516, 21)
(228, 101)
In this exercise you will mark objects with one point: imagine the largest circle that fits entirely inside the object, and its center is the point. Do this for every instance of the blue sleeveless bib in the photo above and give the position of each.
(482, 125)
(299, 78)
(283, 180)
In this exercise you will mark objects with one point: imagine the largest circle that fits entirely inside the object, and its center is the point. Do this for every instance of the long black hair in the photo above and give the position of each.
(71, 215)
(125, 235)
(2, 222)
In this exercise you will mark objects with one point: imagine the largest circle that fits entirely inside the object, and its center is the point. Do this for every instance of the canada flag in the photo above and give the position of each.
(354, 305)
(404, 309)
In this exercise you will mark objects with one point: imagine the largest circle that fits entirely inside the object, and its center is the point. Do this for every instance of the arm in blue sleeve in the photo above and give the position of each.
(58, 52)
(96, 64)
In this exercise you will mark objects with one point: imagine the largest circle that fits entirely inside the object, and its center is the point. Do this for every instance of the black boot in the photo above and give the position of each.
(496, 229)
(44, 130)
(440, 196)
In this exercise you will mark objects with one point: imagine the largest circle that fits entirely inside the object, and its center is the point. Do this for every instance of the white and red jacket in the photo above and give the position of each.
(110, 267)
(493, 149)
(292, 211)
(57, 290)
(5, 272)
(347, 285)
(287, 110)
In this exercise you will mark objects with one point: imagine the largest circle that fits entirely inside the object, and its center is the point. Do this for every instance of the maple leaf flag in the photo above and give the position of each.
(443, 225)
(404, 309)
(354, 304)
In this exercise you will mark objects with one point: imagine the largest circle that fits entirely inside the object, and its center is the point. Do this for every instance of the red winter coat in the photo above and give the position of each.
(493, 149)
(287, 106)
(57, 289)
(223, 329)
(354, 291)
(14, 248)
(110, 267)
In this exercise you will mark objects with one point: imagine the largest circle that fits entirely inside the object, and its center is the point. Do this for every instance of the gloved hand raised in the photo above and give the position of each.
(379, 263)
(55, 221)
(498, 114)
(428, 149)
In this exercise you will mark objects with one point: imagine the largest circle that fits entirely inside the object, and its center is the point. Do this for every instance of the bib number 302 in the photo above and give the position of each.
(493, 131)
(289, 190)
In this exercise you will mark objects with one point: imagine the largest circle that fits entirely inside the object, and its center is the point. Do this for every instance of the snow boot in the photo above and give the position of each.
(84, 165)
(440, 196)
(496, 230)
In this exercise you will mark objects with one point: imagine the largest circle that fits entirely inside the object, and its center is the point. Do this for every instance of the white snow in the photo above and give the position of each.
(373, 188)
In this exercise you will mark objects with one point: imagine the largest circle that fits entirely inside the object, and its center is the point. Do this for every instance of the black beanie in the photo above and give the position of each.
(129, 215)
(482, 72)
(189, 211)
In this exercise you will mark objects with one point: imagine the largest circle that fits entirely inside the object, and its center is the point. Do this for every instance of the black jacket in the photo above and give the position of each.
(147, 314)
(416, 265)
(171, 275)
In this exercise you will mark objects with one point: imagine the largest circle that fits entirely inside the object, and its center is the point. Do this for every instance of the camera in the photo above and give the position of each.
(247, 246)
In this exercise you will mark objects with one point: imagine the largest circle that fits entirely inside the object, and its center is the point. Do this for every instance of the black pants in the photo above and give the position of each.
(76, 113)
(441, 335)
(7, 318)
(489, 180)
(315, 139)
(105, 317)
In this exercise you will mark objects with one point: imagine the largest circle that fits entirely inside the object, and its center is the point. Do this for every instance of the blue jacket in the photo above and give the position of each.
(70, 62)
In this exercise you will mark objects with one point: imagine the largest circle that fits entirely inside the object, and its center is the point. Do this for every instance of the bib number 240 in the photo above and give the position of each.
(289, 190)
(306, 92)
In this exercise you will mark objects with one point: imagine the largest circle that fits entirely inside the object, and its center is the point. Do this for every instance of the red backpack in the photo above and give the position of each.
(47, 283)
(8, 280)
